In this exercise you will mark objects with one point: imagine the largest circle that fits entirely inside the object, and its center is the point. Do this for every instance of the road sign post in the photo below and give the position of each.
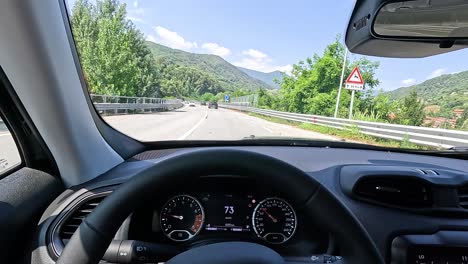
(354, 83)
(351, 105)
(341, 84)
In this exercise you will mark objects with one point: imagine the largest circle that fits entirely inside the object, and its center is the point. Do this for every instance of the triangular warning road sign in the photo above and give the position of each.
(355, 77)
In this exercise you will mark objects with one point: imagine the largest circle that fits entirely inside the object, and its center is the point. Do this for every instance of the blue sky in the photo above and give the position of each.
(270, 35)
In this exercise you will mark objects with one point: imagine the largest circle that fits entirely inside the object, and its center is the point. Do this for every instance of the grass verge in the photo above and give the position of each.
(352, 134)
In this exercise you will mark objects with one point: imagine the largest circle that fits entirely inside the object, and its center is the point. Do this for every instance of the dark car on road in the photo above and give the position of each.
(213, 105)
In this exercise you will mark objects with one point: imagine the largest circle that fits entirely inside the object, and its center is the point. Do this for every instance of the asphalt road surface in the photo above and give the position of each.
(187, 123)
(201, 123)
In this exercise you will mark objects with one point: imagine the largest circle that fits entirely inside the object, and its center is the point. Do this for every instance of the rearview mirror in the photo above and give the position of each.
(423, 18)
(410, 29)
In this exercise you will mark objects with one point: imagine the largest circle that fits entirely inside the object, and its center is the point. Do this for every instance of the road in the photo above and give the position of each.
(201, 123)
(187, 123)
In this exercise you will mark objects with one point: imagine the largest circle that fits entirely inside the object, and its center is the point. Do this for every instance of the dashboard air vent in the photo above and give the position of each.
(73, 220)
(396, 191)
(463, 196)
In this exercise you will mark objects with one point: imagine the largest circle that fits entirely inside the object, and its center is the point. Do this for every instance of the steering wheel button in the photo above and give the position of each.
(329, 259)
(316, 259)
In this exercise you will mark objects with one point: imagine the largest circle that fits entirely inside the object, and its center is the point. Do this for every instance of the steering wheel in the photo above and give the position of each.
(89, 243)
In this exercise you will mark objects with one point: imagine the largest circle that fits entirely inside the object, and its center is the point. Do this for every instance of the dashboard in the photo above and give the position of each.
(414, 207)
(227, 208)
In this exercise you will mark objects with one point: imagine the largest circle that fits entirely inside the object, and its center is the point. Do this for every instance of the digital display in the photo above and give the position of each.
(437, 255)
(228, 212)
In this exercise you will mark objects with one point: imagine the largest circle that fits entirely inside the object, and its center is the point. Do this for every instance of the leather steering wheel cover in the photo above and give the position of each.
(229, 253)
(95, 233)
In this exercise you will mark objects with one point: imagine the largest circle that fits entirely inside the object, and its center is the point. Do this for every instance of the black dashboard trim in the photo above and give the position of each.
(443, 184)
(278, 142)
(445, 238)
(55, 245)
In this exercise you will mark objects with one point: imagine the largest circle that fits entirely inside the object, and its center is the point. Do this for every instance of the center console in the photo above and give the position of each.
(443, 247)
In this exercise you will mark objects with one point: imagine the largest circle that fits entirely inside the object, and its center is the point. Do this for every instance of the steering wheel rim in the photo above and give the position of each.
(89, 243)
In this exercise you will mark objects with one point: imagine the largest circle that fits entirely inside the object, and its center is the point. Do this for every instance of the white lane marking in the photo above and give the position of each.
(269, 130)
(3, 135)
(184, 136)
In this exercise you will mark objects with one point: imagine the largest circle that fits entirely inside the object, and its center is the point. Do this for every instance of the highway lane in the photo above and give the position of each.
(201, 123)
(187, 123)
(170, 125)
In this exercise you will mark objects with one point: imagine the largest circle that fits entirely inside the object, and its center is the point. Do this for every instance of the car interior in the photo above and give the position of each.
(84, 192)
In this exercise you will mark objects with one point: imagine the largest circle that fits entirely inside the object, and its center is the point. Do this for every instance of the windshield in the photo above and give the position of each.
(248, 70)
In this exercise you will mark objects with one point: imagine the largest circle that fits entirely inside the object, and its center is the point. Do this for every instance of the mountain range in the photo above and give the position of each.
(448, 91)
(227, 75)
(267, 77)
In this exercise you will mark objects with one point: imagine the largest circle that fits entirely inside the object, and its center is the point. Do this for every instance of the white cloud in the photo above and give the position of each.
(250, 59)
(135, 3)
(256, 54)
(173, 39)
(409, 81)
(260, 61)
(214, 48)
(151, 38)
(136, 19)
(436, 73)
(286, 69)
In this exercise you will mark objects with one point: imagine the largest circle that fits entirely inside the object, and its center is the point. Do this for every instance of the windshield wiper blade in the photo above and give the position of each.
(459, 148)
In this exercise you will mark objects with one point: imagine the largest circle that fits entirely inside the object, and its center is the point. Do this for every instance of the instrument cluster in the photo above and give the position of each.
(271, 219)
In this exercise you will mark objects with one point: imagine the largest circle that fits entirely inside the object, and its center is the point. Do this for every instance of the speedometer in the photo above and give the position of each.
(274, 220)
(182, 218)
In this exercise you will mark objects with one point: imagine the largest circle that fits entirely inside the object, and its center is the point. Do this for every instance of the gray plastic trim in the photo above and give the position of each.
(36, 57)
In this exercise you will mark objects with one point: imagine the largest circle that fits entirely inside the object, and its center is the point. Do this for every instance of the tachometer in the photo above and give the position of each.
(274, 220)
(182, 218)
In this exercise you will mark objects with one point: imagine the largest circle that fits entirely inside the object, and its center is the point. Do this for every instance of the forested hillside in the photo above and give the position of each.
(448, 91)
(227, 76)
(271, 78)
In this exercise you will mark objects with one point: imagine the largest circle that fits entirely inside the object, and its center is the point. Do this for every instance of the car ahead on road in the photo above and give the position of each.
(203, 103)
(191, 104)
(213, 105)
(84, 191)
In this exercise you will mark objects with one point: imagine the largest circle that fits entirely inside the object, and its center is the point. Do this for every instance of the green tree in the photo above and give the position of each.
(113, 53)
(382, 106)
(266, 99)
(313, 83)
(462, 122)
(207, 97)
(181, 81)
(412, 111)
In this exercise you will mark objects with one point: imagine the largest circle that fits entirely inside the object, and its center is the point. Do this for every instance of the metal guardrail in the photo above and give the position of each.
(117, 104)
(435, 137)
